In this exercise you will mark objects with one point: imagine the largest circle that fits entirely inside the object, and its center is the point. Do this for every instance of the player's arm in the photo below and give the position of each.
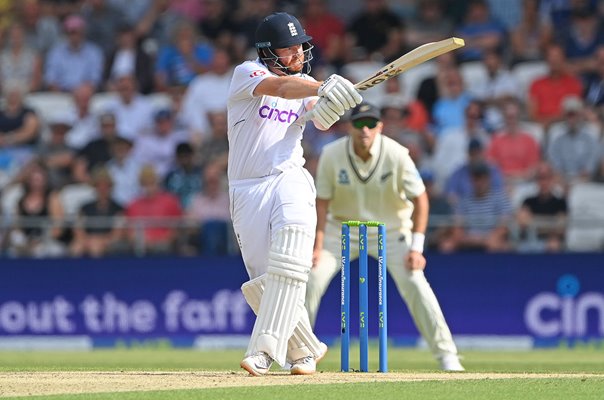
(287, 87)
(322, 207)
(421, 208)
(337, 95)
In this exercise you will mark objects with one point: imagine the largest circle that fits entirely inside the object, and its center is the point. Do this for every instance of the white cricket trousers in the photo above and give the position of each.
(260, 207)
(412, 285)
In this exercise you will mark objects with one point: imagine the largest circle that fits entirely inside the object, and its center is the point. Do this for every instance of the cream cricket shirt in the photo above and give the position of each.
(379, 189)
(264, 137)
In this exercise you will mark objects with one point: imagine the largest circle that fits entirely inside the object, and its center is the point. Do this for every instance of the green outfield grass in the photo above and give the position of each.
(560, 361)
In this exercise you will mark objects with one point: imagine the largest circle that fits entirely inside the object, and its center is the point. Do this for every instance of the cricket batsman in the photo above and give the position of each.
(272, 195)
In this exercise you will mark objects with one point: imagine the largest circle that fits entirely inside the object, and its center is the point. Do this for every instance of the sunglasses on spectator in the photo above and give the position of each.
(365, 122)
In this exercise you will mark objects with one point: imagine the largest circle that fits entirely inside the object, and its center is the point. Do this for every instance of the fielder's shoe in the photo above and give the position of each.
(450, 363)
(308, 365)
(257, 364)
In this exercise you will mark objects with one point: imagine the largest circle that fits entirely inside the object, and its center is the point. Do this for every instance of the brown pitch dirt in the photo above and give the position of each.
(47, 383)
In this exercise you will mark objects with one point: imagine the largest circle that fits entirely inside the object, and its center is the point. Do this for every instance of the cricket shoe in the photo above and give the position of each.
(257, 364)
(450, 363)
(308, 365)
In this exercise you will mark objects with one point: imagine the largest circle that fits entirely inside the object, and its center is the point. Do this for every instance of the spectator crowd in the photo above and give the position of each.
(113, 126)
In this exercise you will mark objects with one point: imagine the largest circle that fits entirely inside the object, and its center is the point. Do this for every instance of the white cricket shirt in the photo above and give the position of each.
(380, 189)
(264, 137)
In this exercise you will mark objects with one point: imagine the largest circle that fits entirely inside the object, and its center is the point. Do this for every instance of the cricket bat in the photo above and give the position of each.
(407, 61)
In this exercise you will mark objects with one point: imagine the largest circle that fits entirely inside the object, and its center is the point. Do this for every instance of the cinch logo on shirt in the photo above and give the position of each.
(275, 114)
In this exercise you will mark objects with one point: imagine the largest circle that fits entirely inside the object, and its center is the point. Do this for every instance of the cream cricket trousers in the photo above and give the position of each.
(412, 285)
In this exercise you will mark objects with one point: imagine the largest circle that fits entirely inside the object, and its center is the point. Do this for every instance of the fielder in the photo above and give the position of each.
(369, 177)
(272, 196)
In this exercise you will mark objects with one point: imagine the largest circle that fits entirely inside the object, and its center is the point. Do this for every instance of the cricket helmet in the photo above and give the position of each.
(278, 31)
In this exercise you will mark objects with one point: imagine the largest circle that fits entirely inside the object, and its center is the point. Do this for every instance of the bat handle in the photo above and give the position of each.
(306, 117)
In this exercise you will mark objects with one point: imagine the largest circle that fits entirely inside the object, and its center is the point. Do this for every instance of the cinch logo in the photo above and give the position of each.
(565, 313)
(275, 114)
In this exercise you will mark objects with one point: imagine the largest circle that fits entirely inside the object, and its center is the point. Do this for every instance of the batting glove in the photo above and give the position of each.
(326, 113)
(340, 91)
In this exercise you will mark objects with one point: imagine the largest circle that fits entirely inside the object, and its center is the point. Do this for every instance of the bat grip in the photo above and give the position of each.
(307, 117)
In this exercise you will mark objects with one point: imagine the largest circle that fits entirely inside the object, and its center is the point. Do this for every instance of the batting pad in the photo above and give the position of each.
(281, 305)
(303, 342)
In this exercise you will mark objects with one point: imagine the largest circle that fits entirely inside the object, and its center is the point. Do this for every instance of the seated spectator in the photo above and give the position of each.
(98, 152)
(440, 217)
(416, 115)
(541, 219)
(546, 93)
(499, 86)
(31, 236)
(431, 88)
(581, 40)
(42, 30)
(85, 126)
(482, 218)
(557, 14)
(429, 25)
(216, 148)
(129, 58)
(56, 154)
(102, 23)
(179, 62)
(218, 25)
(196, 102)
(159, 147)
(185, 179)
(248, 15)
(514, 151)
(176, 95)
(19, 62)
(210, 209)
(508, 13)
(594, 83)
(19, 128)
(573, 154)
(451, 150)
(375, 28)
(98, 231)
(326, 29)
(480, 31)
(133, 10)
(152, 216)
(398, 124)
(528, 38)
(448, 111)
(459, 183)
(75, 61)
(124, 171)
(133, 112)
(64, 8)
(157, 23)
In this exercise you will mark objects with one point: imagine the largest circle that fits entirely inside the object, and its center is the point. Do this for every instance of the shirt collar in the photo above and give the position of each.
(374, 150)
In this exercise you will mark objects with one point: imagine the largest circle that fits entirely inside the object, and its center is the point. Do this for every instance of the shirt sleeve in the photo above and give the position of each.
(96, 62)
(204, 54)
(52, 71)
(163, 60)
(324, 181)
(245, 79)
(410, 180)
